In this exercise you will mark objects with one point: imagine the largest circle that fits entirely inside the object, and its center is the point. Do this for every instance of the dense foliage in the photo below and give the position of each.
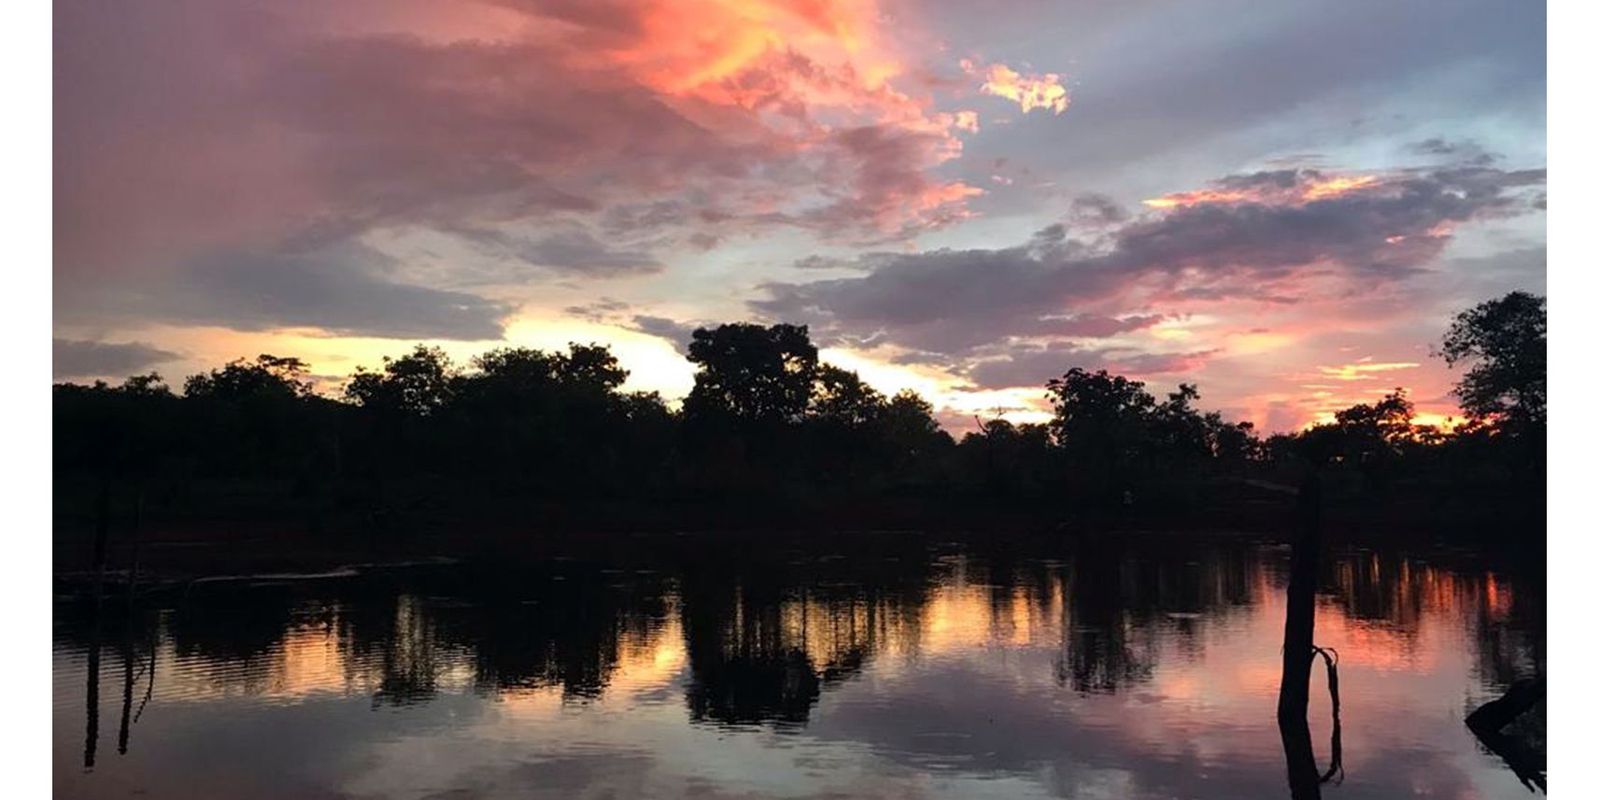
(767, 419)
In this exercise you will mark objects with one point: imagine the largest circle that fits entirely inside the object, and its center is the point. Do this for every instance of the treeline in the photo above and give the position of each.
(766, 425)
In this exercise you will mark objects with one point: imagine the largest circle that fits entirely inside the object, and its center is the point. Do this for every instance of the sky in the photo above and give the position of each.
(1283, 203)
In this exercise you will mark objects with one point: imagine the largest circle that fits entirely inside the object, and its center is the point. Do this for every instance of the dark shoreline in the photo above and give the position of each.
(183, 548)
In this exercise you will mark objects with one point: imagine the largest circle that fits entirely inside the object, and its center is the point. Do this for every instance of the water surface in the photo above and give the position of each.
(897, 667)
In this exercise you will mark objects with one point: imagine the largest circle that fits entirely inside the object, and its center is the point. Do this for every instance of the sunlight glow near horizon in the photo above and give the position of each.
(829, 164)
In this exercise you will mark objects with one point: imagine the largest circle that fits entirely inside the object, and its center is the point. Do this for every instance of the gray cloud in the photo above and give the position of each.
(1035, 366)
(678, 333)
(342, 290)
(598, 311)
(952, 301)
(610, 311)
(77, 358)
(1225, 92)
(1460, 151)
(572, 250)
(827, 262)
(1097, 209)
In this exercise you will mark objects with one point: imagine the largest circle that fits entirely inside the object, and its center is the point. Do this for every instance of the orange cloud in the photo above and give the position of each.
(1028, 91)
(1305, 187)
(817, 78)
(1364, 370)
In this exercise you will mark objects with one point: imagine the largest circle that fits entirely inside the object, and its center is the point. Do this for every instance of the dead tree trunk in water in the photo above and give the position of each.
(1299, 649)
(91, 692)
(127, 688)
(127, 639)
(102, 536)
(1488, 723)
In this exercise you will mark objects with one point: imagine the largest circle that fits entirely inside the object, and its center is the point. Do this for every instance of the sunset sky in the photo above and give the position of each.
(1281, 202)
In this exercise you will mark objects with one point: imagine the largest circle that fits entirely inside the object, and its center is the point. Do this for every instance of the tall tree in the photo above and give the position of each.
(1101, 418)
(1504, 342)
(752, 373)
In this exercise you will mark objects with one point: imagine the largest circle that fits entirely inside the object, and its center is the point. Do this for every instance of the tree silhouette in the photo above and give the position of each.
(842, 399)
(770, 429)
(416, 384)
(1504, 342)
(751, 372)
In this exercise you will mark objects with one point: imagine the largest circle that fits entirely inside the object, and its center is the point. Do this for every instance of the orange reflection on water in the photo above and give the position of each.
(1194, 634)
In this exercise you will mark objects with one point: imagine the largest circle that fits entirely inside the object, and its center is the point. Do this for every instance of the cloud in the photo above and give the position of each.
(573, 251)
(883, 171)
(600, 310)
(678, 333)
(1284, 235)
(1459, 151)
(78, 358)
(1036, 366)
(188, 126)
(1097, 209)
(1364, 370)
(342, 290)
(826, 262)
(609, 311)
(1043, 92)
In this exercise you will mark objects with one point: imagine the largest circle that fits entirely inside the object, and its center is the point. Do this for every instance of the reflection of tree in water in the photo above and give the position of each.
(1510, 625)
(747, 669)
(113, 630)
(240, 626)
(1502, 611)
(1098, 631)
(409, 660)
(558, 626)
(764, 639)
(768, 630)
(1121, 605)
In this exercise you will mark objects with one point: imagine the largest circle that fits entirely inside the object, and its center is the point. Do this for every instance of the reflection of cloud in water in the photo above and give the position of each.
(1098, 670)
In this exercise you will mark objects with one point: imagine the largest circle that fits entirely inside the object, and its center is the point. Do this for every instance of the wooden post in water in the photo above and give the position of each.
(1298, 648)
(127, 639)
(102, 535)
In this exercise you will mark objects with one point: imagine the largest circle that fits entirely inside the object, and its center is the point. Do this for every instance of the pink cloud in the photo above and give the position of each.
(194, 126)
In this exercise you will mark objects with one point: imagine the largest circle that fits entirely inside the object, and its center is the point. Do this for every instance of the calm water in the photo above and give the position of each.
(888, 667)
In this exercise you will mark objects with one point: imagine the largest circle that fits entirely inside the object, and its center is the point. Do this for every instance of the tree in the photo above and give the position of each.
(1182, 433)
(752, 373)
(1379, 426)
(1007, 460)
(841, 398)
(1102, 421)
(909, 427)
(416, 384)
(251, 417)
(267, 377)
(1504, 342)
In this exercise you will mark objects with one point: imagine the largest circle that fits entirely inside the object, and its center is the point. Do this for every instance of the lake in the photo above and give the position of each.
(870, 666)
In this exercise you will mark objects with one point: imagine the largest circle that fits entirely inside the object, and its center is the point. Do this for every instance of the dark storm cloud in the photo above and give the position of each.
(951, 301)
(76, 358)
(341, 290)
